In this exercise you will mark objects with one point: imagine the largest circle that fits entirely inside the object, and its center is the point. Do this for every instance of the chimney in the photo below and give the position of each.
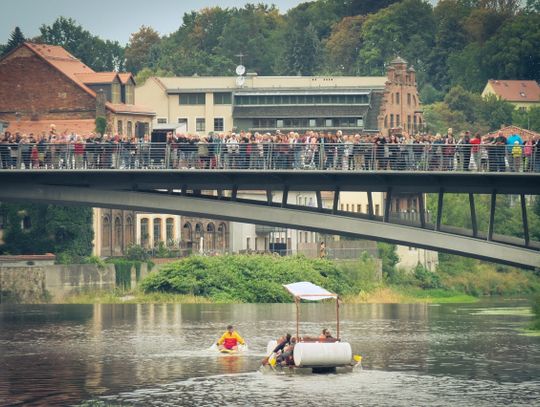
(101, 99)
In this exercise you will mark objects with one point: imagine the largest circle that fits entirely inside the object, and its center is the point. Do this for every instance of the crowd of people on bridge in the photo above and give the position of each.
(277, 150)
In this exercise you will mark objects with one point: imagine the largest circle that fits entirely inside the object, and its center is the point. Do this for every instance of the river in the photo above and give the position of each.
(144, 355)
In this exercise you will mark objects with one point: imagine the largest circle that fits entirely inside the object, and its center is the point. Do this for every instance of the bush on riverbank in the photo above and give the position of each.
(248, 278)
(536, 311)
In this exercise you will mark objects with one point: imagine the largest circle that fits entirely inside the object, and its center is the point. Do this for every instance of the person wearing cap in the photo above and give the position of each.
(230, 339)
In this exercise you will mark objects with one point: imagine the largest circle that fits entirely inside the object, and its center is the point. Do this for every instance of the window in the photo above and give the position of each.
(328, 122)
(409, 99)
(358, 208)
(157, 231)
(312, 122)
(347, 207)
(129, 129)
(342, 206)
(162, 120)
(398, 120)
(279, 123)
(192, 98)
(377, 210)
(218, 124)
(169, 230)
(222, 98)
(115, 93)
(397, 98)
(183, 122)
(144, 232)
(391, 120)
(360, 122)
(120, 127)
(199, 124)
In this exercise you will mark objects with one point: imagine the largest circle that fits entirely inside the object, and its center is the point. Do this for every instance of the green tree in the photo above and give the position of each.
(343, 45)
(463, 101)
(146, 73)
(495, 112)
(98, 54)
(406, 28)
(16, 38)
(429, 95)
(527, 119)
(137, 51)
(302, 52)
(101, 125)
(464, 68)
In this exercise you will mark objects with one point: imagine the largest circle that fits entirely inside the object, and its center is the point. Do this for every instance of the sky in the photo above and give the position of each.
(109, 19)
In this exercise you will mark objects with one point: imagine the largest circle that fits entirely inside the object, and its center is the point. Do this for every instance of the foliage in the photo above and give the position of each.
(15, 39)
(389, 258)
(64, 231)
(101, 125)
(136, 252)
(536, 311)
(527, 119)
(138, 50)
(429, 95)
(246, 278)
(342, 47)
(98, 54)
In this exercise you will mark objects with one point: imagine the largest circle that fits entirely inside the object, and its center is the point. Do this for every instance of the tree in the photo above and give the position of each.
(406, 28)
(138, 49)
(343, 45)
(93, 51)
(302, 52)
(146, 73)
(16, 38)
(429, 95)
(101, 125)
(495, 112)
(463, 101)
(527, 119)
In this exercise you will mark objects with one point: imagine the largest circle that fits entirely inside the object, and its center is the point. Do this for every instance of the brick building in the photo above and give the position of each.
(44, 84)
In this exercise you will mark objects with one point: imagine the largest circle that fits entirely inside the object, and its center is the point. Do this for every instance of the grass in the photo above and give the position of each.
(135, 297)
(408, 295)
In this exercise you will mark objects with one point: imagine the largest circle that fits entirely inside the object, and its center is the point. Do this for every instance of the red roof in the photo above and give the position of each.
(96, 77)
(509, 130)
(36, 127)
(516, 91)
(133, 109)
(125, 77)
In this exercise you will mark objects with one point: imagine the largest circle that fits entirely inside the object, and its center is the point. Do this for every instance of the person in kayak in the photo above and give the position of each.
(230, 339)
(281, 344)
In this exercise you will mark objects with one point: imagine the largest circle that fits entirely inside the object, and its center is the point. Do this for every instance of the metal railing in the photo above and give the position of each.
(272, 156)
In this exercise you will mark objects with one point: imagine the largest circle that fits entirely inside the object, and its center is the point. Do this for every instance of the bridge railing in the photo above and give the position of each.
(271, 156)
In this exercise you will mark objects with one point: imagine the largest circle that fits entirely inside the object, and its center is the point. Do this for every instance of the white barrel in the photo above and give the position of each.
(322, 354)
(271, 346)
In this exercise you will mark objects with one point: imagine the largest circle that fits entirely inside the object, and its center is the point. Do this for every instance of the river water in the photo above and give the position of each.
(144, 355)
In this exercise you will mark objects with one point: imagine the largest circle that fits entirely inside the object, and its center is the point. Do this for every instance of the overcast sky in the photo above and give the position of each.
(109, 19)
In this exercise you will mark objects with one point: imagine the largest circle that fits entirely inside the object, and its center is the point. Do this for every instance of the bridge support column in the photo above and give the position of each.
(184, 190)
(336, 201)
(492, 215)
(319, 199)
(285, 196)
(439, 210)
(234, 193)
(525, 220)
(473, 215)
(370, 204)
(269, 196)
(388, 205)
(422, 208)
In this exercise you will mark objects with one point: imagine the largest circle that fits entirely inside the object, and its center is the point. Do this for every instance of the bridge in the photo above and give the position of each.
(213, 193)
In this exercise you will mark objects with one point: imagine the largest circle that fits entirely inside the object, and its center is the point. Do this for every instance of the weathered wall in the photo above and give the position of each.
(36, 284)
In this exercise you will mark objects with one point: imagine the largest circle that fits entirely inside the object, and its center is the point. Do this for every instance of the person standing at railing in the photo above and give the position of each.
(449, 150)
(510, 143)
(527, 155)
(536, 154)
(475, 150)
(78, 152)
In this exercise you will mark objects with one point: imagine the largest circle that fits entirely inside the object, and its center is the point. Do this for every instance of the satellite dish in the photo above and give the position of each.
(240, 81)
(240, 70)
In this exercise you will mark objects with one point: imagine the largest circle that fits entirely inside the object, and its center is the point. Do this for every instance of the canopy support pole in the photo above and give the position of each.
(296, 300)
(337, 317)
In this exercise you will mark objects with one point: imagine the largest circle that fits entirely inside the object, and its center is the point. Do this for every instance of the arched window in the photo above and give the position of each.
(169, 231)
(198, 235)
(210, 236)
(144, 232)
(106, 232)
(157, 231)
(128, 232)
(222, 237)
(117, 232)
(386, 121)
(187, 235)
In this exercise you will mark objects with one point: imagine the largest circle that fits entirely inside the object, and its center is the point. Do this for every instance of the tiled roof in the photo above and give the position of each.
(133, 109)
(516, 91)
(509, 130)
(125, 77)
(96, 77)
(36, 127)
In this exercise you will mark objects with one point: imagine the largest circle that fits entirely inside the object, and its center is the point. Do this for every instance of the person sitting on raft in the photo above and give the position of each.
(325, 335)
(286, 357)
(281, 343)
(230, 339)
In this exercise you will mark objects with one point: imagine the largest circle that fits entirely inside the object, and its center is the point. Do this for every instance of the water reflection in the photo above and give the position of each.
(53, 354)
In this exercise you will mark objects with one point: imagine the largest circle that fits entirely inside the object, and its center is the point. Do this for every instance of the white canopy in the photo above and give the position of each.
(309, 291)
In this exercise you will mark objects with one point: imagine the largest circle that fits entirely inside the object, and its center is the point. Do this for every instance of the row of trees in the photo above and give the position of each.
(455, 42)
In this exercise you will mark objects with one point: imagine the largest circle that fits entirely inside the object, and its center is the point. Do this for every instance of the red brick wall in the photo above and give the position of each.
(400, 82)
(35, 89)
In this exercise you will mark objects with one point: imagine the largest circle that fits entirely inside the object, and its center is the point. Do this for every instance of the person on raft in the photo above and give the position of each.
(286, 357)
(325, 335)
(230, 339)
(281, 344)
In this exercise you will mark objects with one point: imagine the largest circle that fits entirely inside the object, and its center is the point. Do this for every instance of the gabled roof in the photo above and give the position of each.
(515, 90)
(125, 77)
(509, 130)
(97, 77)
(398, 60)
(133, 109)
